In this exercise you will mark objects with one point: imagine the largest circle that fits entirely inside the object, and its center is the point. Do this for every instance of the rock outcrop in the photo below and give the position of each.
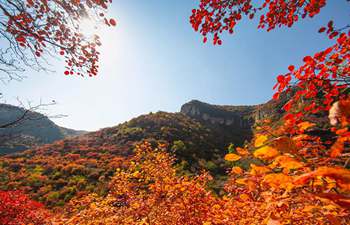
(241, 117)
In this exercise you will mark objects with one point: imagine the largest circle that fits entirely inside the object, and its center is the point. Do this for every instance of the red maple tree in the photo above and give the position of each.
(37, 28)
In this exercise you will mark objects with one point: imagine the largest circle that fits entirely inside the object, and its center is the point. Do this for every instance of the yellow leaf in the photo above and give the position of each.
(136, 174)
(260, 140)
(232, 157)
(266, 153)
(305, 125)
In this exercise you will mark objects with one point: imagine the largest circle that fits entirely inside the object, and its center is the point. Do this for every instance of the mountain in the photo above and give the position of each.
(29, 130)
(198, 136)
(233, 123)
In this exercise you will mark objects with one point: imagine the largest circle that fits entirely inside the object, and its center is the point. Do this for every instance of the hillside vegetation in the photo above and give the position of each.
(55, 173)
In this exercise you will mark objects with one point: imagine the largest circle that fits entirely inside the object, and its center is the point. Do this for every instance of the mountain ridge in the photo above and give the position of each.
(54, 173)
(29, 129)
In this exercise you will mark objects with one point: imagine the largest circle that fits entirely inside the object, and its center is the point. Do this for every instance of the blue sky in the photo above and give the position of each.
(153, 61)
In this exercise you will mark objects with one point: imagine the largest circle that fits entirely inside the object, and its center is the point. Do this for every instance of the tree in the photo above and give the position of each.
(324, 77)
(214, 17)
(301, 160)
(32, 30)
(35, 29)
(26, 113)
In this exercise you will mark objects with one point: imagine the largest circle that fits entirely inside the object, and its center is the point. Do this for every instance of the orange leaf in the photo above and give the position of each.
(273, 222)
(242, 151)
(237, 170)
(277, 180)
(266, 153)
(258, 170)
(337, 198)
(232, 157)
(242, 181)
(337, 148)
(244, 197)
(287, 163)
(341, 175)
(305, 125)
(284, 144)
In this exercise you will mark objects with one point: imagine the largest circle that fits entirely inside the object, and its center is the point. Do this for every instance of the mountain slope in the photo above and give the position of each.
(56, 172)
(32, 130)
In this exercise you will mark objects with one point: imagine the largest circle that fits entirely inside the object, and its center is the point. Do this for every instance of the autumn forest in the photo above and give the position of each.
(286, 161)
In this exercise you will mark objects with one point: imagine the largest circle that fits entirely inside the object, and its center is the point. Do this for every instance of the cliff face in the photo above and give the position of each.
(236, 118)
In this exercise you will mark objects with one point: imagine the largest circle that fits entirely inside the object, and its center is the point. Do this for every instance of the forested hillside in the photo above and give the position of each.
(54, 173)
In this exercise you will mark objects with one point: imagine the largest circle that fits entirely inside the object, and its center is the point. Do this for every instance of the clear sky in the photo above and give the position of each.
(153, 61)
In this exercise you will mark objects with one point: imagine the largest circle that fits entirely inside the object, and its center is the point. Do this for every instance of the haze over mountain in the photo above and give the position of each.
(29, 129)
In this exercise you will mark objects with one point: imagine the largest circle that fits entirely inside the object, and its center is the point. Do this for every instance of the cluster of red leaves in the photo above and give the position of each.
(300, 160)
(17, 208)
(319, 82)
(296, 168)
(299, 174)
(216, 16)
(47, 26)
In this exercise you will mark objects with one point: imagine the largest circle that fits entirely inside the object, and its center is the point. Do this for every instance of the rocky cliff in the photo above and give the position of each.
(239, 117)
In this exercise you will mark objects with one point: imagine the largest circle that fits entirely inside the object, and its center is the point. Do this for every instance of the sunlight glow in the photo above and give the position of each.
(89, 27)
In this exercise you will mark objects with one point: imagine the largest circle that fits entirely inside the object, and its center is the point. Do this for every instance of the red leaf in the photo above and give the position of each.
(321, 30)
(112, 22)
